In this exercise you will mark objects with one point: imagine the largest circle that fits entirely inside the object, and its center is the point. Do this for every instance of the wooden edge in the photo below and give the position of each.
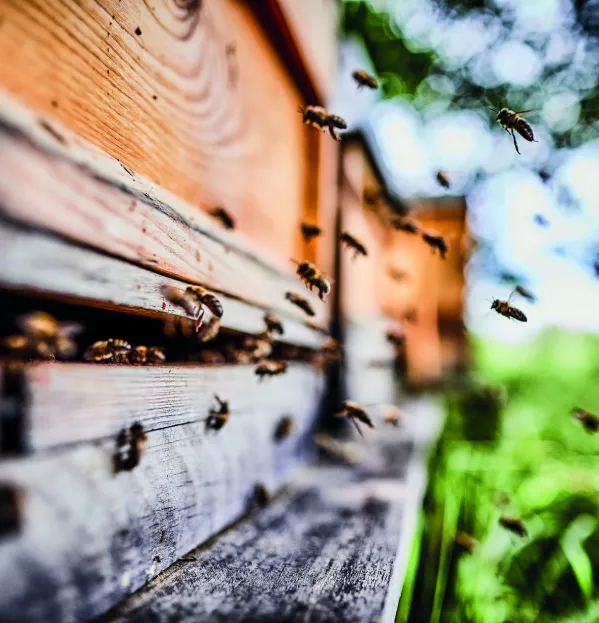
(71, 403)
(89, 537)
(111, 188)
(61, 269)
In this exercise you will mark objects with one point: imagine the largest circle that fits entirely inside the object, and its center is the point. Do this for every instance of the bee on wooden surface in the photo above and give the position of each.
(406, 225)
(466, 541)
(182, 298)
(224, 217)
(261, 496)
(301, 302)
(589, 421)
(273, 325)
(354, 412)
(335, 449)
(319, 117)
(443, 179)
(220, 416)
(284, 428)
(397, 275)
(212, 357)
(513, 524)
(436, 242)
(108, 351)
(310, 231)
(209, 330)
(392, 415)
(524, 293)
(138, 355)
(259, 347)
(155, 354)
(364, 79)
(509, 311)
(353, 243)
(313, 278)
(129, 448)
(511, 121)
(206, 299)
(268, 367)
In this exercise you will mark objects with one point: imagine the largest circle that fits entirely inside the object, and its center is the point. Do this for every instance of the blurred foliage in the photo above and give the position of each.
(534, 462)
(422, 72)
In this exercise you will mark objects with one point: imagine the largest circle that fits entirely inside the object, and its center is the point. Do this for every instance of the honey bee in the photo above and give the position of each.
(268, 367)
(129, 448)
(511, 121)
(509, 311)
(354, 412)
(310, 231)
(220, 416)
(273, 325)
(364, 79)
(224, 217)
(436, 242)
(513, 524)
(301, 302)
(209, 330)
(182, 298)
(353, 243)
(392, 415)
(589, 421)
(466, 541)
(108, 351)
(284, 428)
(523, 292)
(207, 299)
(443, 179)
(313, 278)
(406, 225)
(261, 496)
(258, 347)
(319, 117)
(155, 354)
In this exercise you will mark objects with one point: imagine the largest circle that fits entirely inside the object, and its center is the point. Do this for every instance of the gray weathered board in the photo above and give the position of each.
(91, 537)
(66, 270)
(333, 547)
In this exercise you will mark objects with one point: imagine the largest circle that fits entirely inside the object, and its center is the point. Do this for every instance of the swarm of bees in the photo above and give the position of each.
(120, 351)
(218, 417)
(321, 118)
(129, 447)
(313, 278)
(194, 300)
(354, 412)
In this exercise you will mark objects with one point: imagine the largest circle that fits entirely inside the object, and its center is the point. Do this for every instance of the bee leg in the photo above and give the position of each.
(515, 144)
(357, 427)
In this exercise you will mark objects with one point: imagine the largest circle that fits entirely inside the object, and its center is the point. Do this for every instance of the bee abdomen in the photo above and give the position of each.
(213, 304)
(524, 129)
(516, 314)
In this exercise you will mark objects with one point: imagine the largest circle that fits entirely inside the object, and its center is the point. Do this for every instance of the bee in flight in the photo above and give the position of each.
(301, 302)
(218, 417)
(353, 243)
(511, 121)
(443, 179)
(273, 324)
(321, 118)
(509, 311)
(436, 242)
(313, 278)
(589, 421)
(513, 524)
(224, 217)
(524, 293)
(284, 428)
(310, 231)
(364, 79)
(354, 412)
(406, 225)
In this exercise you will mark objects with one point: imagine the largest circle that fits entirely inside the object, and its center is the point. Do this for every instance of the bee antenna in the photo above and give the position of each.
(294, 261)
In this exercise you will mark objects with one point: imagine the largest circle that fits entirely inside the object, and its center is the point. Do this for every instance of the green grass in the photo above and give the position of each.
(514, 449)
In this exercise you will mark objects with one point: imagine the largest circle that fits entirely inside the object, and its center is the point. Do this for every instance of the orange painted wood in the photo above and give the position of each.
(53, 180)
(214, 124)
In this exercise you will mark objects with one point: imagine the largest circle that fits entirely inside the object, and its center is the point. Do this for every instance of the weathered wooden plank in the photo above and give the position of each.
(86, 196)
(325, 551)
(90, 537)
(70, 403)
(62, 269)
(190, 94)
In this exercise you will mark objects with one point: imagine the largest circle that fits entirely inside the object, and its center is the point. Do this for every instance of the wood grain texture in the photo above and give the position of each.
(65, 270)
(325, 551)
(91, 537)
(86, 196)
(71, 403)
(212, 126)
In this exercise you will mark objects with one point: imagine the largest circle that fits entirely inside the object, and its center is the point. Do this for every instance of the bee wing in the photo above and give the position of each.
(523, 112)
(357, 427)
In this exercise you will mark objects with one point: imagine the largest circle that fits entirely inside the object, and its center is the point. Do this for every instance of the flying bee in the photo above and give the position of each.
(392, 415)
(284, 428)
(220, 416)
(310, 231)
(443, 179)
(513, 524)
(353, 243)
(108, 351)
(406, 225)
(466, 541)
(319, 117)
(509, 311)
(209, 330)
(589, 421)
(313, 278)
(511, 121)
(436, 242)
(261, 496)
(205, 299)
(273, 325)
(364, 79)
(268, 367)
(524, 293)
(224, 217)
(301, 302)
(129, 448)
(259, 347)
(354, 412)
